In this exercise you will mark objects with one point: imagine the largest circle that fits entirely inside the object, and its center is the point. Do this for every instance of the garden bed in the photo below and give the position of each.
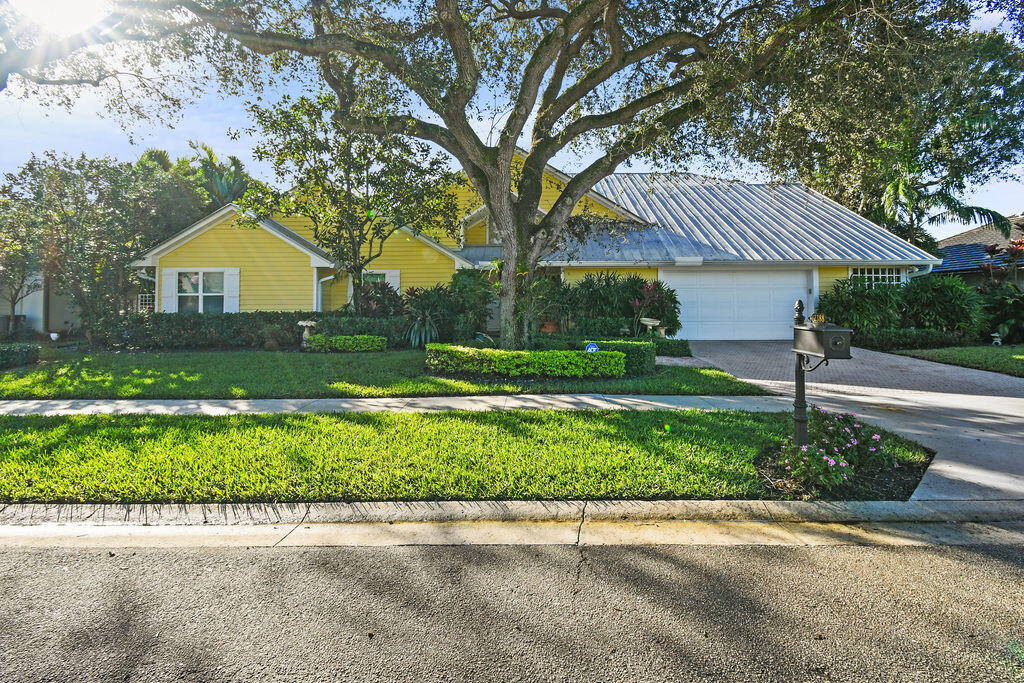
(529, 455)
(262, 374)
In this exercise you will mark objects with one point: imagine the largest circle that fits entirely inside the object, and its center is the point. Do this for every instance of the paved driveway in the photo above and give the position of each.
(972, 418)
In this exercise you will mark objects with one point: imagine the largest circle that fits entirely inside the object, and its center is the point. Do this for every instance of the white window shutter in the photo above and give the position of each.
(168, 290)
(394, 278)
(231, 290)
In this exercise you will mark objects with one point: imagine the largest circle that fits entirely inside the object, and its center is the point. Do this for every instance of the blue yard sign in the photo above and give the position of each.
(591, 347)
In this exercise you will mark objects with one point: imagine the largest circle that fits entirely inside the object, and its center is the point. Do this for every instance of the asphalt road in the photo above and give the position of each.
(514, 613)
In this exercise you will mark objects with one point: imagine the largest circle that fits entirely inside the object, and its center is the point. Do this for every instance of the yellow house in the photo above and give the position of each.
(737, 254)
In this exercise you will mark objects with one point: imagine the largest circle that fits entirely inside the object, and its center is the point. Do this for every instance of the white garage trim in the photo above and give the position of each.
(739, 303)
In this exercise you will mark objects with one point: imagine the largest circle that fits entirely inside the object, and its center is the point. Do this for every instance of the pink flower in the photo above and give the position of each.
(853, 442)
(844, 476)
(842, 464)
(872, 450)
(876, 437)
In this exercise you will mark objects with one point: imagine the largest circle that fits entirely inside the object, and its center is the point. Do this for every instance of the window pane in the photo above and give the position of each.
(188, 283)
(188, 304)
(213, 283)
(213, 304)
(370, 278)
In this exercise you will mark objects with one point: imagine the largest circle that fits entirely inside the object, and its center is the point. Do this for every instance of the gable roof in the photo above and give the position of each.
(317, 256)
(700, 219)
(988, 234)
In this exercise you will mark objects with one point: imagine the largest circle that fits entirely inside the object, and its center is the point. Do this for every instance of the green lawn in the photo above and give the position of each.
(1006, 359)
(397, 456)
(265, 374)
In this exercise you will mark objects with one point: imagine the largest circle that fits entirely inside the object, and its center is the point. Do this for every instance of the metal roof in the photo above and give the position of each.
(702, 218)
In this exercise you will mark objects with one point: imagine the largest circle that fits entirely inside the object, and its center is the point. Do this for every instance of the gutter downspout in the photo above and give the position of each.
(923, 270)
(320, 292)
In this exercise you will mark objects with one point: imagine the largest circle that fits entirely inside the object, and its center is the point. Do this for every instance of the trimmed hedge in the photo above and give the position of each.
(18, 353)
(678, 348)
(445, 359)
(639, 354)
(599, 327)
(261, 329)
(321, 343)
(905, 338)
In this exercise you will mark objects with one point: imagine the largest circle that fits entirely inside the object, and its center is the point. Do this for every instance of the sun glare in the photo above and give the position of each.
(62, 17)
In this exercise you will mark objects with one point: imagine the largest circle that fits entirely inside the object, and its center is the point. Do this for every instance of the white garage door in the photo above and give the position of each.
(733, 304)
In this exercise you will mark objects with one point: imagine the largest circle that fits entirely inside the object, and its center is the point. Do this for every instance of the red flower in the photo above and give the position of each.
(992, 249)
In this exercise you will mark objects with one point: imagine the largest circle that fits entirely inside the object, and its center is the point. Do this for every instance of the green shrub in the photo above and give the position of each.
(256, 330)
(445, 359)
(1004, 310)
(677, 348)
(906, 338)
(942, 303)
(639, 354)
(599, 327)
(378, 300)
(321, 343)
(18, 353)
(472, 291)
(859, 306)
(607, 295)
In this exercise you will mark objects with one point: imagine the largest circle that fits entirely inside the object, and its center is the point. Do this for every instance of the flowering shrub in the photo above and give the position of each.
(838, 446)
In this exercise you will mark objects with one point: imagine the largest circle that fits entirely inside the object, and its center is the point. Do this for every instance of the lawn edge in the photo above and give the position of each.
(249, 514)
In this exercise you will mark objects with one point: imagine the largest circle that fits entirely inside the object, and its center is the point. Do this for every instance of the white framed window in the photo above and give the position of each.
(878, 276)
(392, 277)
(199, 290)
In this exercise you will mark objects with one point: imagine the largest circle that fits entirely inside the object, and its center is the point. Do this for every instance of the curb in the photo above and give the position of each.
(231, 514)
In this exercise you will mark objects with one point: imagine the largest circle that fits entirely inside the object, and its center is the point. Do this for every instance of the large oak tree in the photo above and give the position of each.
(608, 80)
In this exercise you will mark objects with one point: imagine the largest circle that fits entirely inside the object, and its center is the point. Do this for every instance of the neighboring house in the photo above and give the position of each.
(963, 254)
(738, 255)
(45, 310)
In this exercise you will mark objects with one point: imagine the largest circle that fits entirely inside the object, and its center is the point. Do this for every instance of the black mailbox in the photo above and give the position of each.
(823, 340)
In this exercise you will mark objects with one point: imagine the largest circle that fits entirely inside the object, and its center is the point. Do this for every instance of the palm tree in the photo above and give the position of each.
(224, 182)
(910, 203)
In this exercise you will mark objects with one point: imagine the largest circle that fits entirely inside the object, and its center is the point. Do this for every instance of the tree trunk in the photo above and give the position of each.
(508, 300)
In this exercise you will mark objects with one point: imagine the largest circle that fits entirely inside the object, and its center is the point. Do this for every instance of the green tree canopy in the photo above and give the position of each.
(356, 189)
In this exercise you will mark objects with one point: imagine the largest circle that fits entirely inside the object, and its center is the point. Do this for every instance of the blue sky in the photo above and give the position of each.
(30, 127)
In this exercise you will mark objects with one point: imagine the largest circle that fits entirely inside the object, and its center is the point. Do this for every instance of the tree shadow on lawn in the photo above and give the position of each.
(262, 374)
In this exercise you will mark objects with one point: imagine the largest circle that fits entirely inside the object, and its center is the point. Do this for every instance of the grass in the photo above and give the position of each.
(1008, 360)
(396, 456)
(265, 374)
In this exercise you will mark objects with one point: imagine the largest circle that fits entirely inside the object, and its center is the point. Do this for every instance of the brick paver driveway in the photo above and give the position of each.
(972, 418)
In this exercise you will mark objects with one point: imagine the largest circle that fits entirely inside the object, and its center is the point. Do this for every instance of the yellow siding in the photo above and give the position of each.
(419, 265)
(477, 234)
(273, 275)
(827, 276)
(572, 275)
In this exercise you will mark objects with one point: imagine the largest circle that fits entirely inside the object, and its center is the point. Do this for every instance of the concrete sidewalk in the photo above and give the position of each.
(406, 405)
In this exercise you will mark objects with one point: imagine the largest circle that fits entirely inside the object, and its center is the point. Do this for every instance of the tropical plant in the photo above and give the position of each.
(223, 182)
(861, 306)
(377, 300)
(944, 303)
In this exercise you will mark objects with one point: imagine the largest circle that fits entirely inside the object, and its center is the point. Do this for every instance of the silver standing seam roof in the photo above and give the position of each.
(697, 217)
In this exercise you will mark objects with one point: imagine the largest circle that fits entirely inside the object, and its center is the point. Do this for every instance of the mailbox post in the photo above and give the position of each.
(820, 340)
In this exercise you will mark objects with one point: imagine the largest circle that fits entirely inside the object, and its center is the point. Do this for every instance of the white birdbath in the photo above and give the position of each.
(650, 323)
(306, 325)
